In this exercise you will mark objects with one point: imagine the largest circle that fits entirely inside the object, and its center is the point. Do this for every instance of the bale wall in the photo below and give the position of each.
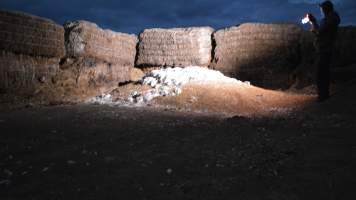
(264, 54)
(26, 34)
(97, 60)
(175, 47)
(81, 77)
(86, 39)
(21, 73)
(343, 61)
(345, 47)
(30, 51)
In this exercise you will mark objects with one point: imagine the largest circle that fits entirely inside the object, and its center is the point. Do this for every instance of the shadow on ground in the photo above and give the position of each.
(105, 152)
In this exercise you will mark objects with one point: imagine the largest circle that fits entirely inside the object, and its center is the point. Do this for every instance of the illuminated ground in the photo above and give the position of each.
(225, 99)
(104, 152)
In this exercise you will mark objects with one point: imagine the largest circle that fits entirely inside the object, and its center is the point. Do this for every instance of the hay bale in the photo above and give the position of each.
(258, 52)
(91, 75)
(345, 47)
(175, 47)
(107, 54)
(344, 57)
(21, 73)
(26, 34)
(86, 39)
(305, 73)
(136, 74)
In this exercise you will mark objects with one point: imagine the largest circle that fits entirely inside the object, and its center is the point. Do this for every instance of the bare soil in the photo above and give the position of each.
(228, 99)
(235, 99)
(106, 152)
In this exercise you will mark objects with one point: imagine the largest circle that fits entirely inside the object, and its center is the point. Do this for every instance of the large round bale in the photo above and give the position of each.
(265, 54)
(175, 47)
(86, 39)
(26, 34)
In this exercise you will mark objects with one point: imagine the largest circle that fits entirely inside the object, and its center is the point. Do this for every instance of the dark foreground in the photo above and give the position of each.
(102, 152)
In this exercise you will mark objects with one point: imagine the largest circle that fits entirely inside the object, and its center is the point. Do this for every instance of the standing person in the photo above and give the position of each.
(326, 33)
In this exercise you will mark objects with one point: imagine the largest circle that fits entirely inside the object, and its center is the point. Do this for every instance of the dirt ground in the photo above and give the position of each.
(110, 152)
(224, 98)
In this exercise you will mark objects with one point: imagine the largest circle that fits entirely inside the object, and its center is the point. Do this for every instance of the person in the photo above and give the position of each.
(326, 33)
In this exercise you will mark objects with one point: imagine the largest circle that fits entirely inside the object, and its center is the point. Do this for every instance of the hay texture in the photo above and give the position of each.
(97, 60)
(264, 54)
(343, 60)
(345, 47)
(26, 34)
(177, 47)
(305, 73)
(89, 72)
(21, 73)
(81, 78)
(86, 39)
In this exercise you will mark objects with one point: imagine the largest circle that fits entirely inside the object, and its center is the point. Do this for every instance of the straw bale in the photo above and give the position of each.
(79, 77)
(304, 74)
(258, 52)
(21, 72)
(345, 46)
(26, 34)
(97, 71)
(175, 47)
(344, 56)
(136, 74)
(86, 39)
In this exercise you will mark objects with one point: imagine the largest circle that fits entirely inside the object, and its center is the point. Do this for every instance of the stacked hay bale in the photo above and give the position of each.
(177, 47)
(344, 65)
(344, 60)
(31, 48)
(99, 59)
(264, 54)
(345, 46)
(305, 73)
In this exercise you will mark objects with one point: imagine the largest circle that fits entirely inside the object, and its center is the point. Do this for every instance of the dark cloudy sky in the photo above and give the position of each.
(134, 15)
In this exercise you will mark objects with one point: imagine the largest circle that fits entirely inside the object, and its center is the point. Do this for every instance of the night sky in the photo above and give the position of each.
(134, 16)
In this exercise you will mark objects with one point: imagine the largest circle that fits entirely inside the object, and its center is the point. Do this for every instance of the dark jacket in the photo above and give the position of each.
(327, 31)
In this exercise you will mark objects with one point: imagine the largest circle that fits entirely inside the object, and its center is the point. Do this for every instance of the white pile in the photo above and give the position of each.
(178, 76)
(102, 99)
(169, 82)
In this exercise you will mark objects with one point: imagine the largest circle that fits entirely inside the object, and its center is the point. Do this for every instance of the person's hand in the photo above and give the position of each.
(311, 17)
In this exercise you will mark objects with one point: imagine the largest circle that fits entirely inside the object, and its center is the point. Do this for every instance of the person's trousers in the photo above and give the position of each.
(323, 74)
